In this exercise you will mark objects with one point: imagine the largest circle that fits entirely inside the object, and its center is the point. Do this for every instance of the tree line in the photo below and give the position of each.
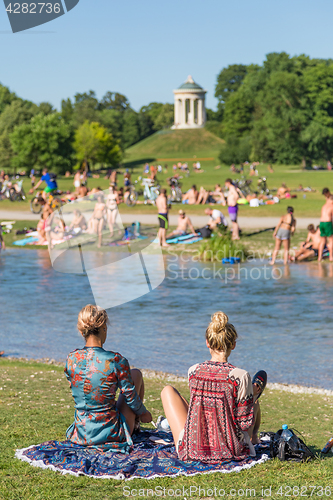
(280, 112)
(85, 129)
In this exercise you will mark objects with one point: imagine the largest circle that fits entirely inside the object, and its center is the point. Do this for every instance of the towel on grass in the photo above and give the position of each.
(146, 461)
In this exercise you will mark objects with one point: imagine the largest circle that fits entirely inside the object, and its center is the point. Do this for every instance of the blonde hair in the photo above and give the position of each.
(220, 334)
(90, 319)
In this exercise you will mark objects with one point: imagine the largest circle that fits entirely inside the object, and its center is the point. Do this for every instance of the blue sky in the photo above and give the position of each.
(146, 49)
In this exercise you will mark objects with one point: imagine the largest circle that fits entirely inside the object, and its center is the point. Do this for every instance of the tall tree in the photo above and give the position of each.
(94, 144)
(85, 108)
(228, 82)
(44, 142)
(15, 114)
(114, 100)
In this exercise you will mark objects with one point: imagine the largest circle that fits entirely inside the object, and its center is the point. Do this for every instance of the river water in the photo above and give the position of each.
(283, 315)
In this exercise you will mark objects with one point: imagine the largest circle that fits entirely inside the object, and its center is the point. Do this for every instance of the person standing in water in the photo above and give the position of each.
(326, 228)
(162, 207)
(283, 231)
(233, 196)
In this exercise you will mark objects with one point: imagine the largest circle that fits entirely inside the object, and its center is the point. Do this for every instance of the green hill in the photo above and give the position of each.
(173, 145)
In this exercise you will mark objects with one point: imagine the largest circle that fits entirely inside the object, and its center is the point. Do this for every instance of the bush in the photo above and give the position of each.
(220, 246)
(236, 150)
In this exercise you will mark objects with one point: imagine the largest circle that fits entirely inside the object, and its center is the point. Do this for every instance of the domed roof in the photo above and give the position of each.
(190, 85)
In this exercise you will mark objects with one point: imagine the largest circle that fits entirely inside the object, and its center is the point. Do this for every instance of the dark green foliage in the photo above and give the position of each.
(236, 150)
(44, 142)
(282, 111)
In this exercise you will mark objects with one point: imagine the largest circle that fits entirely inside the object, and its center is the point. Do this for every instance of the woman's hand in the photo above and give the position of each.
(145, 418)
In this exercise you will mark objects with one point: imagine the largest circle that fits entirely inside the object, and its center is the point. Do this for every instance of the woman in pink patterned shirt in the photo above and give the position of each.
(223, 413)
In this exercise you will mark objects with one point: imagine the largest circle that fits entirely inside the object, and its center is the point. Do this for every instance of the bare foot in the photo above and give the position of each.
(255, 439)
(271, 263)
(166, 245)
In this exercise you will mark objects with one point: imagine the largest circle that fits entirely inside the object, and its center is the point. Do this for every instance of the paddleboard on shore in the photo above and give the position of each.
(7, 222)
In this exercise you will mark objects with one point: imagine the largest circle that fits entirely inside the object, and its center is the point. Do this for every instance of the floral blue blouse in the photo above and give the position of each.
(94, 376)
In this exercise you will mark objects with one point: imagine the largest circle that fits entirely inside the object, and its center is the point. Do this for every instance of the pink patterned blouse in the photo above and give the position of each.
(221, 407)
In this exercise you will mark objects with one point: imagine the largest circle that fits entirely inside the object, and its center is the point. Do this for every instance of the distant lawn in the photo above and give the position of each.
(166, 147)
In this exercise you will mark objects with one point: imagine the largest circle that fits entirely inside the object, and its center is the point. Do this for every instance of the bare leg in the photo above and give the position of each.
(305, 255)
(253, 430)
(276, 250)
(163, 238)
(175, 409)
(235, 231)
(123, 406)
(330, 247)
(321, 248)
(110, 222)
(286, 246)
(100, 229)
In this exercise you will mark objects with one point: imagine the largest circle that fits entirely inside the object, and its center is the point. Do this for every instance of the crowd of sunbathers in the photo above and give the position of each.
(220, 421)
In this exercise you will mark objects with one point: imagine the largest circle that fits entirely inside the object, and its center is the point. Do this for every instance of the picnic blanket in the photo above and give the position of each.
(147, 460)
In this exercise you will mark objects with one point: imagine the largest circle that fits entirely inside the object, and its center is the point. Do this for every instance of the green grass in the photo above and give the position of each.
(36, 406)
(186, 145)
(290, 174)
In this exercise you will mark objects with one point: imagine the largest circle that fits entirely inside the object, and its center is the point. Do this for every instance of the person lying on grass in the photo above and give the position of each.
(94, 376)
(224, 412)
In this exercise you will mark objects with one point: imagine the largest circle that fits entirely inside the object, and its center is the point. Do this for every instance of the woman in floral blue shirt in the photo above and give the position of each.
(94, 376)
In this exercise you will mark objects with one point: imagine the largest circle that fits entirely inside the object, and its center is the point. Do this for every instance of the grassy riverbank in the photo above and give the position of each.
(36, 406)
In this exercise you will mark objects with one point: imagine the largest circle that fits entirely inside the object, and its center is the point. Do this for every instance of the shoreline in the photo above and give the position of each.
(171, 377)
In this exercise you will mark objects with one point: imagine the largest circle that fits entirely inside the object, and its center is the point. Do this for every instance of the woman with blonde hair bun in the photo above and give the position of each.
(94, 376)
(223, 417)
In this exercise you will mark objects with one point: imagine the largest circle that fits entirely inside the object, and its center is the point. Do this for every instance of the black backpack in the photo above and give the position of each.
(294, 450)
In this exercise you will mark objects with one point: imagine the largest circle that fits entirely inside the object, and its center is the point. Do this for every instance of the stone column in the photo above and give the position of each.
(184, 111)
(192, 111)
(200, 111)
(203, 111)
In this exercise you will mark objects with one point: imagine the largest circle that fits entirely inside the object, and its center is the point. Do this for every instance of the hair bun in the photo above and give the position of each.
(220, 334)
(90, 319)
(220, 319)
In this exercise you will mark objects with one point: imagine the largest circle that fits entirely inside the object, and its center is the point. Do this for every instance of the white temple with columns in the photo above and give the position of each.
(190, 109)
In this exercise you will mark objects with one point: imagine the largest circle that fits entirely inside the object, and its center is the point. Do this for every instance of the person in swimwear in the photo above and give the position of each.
(190, 198)
(183, 222)
(310, 247)
(232, 198)
(163, 209)
(79, 222)
(97, 220)
(283, 192)
(283, 231)
(326, 228)
(112, 209)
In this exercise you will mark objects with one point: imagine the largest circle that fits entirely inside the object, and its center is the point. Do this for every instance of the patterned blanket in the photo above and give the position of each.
(146, 461)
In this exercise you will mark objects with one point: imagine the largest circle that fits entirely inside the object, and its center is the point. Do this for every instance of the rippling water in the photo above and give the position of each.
(283, 316)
